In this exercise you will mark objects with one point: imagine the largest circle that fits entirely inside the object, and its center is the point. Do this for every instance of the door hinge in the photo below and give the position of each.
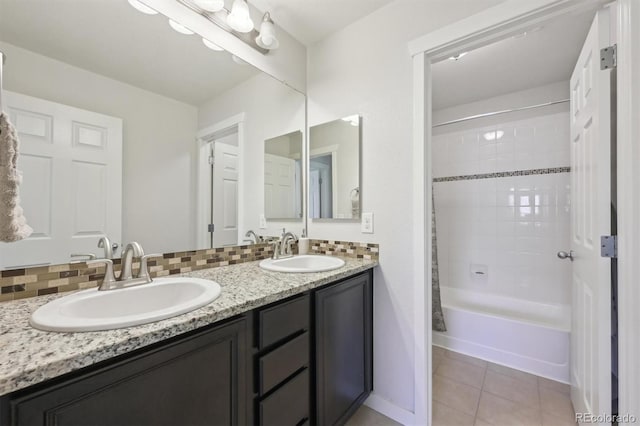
(609, 246)
(210, 227)
(609, 57)
(212, 160)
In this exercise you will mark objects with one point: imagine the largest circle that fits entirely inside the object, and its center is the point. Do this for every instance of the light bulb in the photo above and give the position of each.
(239, 19)
(211, 45)
(211, 5)
(142, 7)
(267, 38)
(179, 27)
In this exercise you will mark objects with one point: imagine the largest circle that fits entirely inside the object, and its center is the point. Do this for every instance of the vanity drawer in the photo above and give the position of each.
(277, 365)
(283, 320)
(289, 405)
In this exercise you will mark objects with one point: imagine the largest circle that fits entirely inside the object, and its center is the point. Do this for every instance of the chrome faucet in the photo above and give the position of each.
(286, 239)
(254, 238)
(132, 250)
(105, 243)
(126, 279)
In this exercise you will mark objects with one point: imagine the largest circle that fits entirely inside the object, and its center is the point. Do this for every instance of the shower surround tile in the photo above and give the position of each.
(506, 206)
(30, 282)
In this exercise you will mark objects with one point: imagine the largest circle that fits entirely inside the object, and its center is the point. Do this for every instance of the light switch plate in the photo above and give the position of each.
(263, 222)
(366, 226)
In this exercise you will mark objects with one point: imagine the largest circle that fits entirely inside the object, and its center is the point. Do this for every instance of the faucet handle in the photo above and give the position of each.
(276, 248)
(89, 256)
(144, 269)
(109, 279)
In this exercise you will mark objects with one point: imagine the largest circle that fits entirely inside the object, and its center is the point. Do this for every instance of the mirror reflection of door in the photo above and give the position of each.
(321, 186)
(224, 189)
(283, 177)
(71, 160)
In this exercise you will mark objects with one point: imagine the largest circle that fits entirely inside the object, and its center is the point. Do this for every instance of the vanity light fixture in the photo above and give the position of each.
(210, 5)
(211, 45)
(239, 18)
(237, 22)
(179, 27)
(142, 7)
(267, 38)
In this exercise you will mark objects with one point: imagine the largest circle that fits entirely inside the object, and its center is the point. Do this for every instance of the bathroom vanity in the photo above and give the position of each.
(283, 349)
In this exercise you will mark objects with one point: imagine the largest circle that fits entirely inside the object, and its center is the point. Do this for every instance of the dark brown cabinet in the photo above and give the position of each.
(282, 356)
(195, 380)
(304, 360)
(343, 348)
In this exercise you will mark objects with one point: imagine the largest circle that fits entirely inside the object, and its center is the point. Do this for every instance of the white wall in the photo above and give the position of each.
(158, 144)
(271, 109)
(365, 68)
(512, 225)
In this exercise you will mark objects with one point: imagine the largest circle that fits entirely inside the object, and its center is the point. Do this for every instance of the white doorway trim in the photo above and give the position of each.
(493, 24)
(333, 150)
(203, 185)
(628, 175)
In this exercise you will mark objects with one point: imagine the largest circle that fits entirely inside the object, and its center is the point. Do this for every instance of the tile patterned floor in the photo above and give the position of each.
(473, 392)
(365, 416)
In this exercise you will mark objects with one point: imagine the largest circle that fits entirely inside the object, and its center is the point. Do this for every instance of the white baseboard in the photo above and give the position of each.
(390, 410)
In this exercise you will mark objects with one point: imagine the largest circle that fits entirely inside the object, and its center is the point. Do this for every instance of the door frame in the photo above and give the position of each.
(628, 180)
(325, 150)
(491, 25)
(203, 180)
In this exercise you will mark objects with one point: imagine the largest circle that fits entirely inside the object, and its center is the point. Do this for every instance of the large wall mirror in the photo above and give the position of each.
(132, 131)
(334, 169)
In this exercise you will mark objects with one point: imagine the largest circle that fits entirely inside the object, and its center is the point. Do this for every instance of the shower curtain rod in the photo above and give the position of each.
(504, 111)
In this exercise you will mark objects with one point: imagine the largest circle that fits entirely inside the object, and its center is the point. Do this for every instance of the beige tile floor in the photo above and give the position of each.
(473, 392)
(365, 416)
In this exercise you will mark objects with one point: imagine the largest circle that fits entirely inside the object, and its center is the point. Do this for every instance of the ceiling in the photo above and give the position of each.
(111, 38)
(540, 57)
(309, 21)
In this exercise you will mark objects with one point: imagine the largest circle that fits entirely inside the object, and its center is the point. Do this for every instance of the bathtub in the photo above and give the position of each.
(528, 336)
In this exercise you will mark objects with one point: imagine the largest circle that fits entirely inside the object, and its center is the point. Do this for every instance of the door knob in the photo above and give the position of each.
(565, 255)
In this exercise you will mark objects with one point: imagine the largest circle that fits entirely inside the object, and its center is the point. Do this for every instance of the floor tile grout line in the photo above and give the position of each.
(484, 377)
(538, 387)
(446, 404)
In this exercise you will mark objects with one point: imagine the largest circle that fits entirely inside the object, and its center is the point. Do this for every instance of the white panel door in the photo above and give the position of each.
(225, 195)
(591, 218)
(280, 186)
(71, 160)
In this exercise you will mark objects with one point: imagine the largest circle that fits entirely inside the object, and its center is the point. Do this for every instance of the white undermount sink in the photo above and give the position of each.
(94, 310)
(303, 263)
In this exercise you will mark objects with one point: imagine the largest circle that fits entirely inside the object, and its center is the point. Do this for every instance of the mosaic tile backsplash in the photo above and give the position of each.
(30, 282)
(344, 248)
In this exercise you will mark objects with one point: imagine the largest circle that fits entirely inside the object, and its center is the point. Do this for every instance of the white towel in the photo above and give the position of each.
(13, 224)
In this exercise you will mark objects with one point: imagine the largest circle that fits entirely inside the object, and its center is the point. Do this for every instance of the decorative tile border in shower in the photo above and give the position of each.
(514, 173)
(30, 282)
(345, 248)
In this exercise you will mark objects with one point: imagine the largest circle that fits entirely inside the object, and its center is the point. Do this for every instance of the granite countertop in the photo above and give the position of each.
(31, 356)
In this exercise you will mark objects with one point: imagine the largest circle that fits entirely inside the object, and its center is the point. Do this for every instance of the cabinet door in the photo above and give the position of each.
(195, 380)
(343, 348)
